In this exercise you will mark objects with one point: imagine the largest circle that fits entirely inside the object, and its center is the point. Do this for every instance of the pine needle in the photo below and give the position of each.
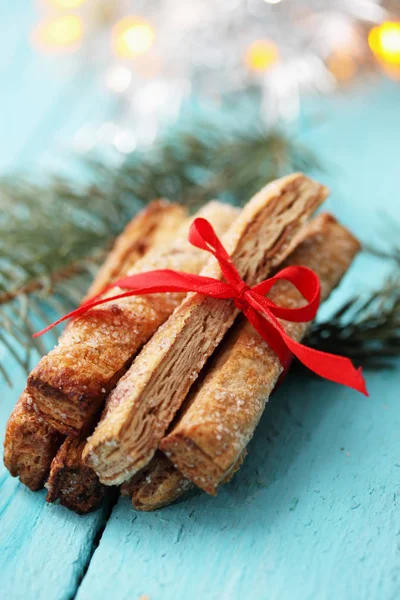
(366, 331)
(53, 236)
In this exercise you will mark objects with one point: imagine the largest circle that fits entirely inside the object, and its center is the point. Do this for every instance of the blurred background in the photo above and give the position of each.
(108, 75)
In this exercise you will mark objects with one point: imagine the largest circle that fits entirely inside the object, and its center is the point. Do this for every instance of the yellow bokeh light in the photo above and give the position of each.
(65, 4)
(342, 66)
(62, 33)
(261, 55)
(132, 36)
(384, 41)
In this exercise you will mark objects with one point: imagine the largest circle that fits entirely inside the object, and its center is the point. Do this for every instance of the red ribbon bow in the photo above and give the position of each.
(259, 310)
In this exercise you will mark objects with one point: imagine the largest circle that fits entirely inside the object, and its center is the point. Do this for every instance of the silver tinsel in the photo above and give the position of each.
(203, 48)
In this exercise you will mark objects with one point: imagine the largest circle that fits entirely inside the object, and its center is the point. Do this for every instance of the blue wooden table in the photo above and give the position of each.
(315, 511)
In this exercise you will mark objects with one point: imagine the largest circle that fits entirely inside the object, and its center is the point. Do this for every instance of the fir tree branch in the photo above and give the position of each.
(53, 235)
(367, 331)
(49, 283)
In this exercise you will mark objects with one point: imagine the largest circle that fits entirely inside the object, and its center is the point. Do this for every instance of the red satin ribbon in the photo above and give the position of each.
(259, 310)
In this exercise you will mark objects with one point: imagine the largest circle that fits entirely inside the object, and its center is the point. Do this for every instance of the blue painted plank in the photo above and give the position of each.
(313, 514)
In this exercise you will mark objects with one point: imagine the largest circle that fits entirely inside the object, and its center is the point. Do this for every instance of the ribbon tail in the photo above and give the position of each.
(151, 282)
(330, 366)
(270, 334)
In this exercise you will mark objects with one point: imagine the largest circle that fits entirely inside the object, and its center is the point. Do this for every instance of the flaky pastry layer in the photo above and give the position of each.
(149, 229)
(157, 485)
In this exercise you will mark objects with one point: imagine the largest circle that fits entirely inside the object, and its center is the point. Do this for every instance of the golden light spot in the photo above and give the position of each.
(132, 36)
(384, 41)
(261, 55)
(60, 34)
(342, 66)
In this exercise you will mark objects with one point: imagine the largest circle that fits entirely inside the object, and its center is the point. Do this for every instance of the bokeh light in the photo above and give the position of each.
(384, 41)
(62, 33)
(132, 37)
(342, 65)
(118, 78)
(261, 55)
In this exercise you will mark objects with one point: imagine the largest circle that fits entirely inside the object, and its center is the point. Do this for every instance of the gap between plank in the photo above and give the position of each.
(112, 501)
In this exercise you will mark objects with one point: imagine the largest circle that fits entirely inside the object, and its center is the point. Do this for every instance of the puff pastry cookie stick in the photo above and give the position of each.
(143, 404)
(30, 443)
(75, 485)
(70, 384)
(151, 228)
(222, 414)
(160, 484)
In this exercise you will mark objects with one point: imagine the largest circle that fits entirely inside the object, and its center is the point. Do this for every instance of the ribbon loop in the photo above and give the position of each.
(307, 283)
(202, 235)
(261, 312)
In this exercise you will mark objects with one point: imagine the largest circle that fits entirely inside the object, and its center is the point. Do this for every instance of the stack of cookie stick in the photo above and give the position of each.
(74, 484)
(143, 404)
(30, 442)
(71, 482)
(155, 409)
(221, 413)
